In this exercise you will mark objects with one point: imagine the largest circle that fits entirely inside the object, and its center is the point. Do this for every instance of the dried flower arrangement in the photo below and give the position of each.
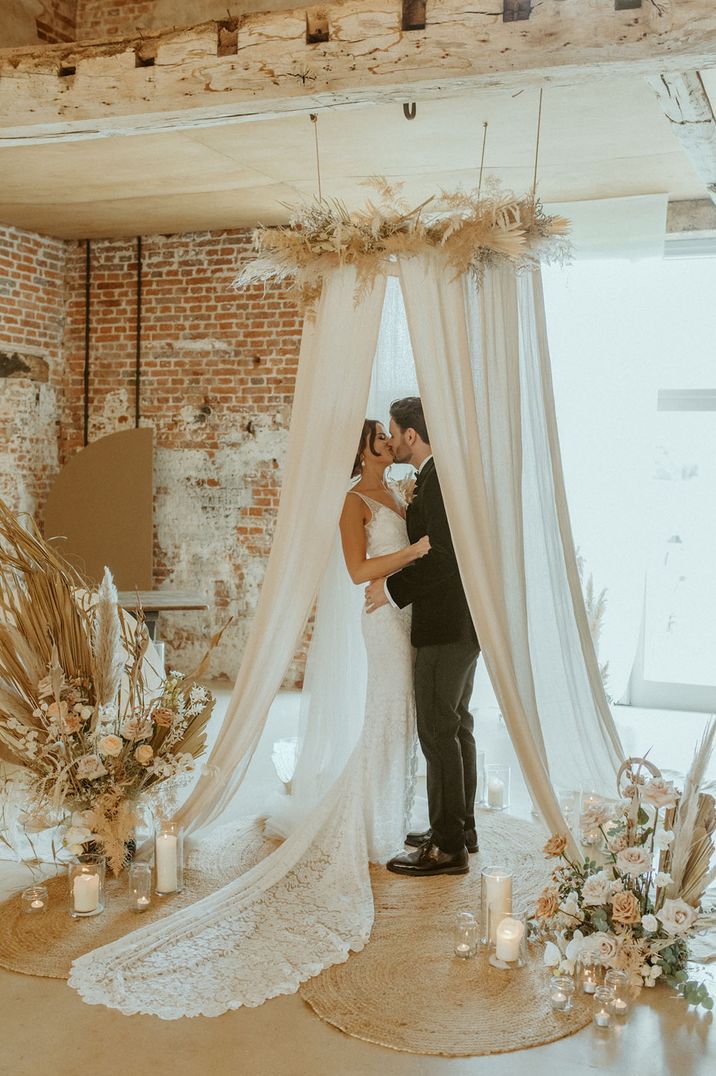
(628, 911)
(76, 710)
(469, 229)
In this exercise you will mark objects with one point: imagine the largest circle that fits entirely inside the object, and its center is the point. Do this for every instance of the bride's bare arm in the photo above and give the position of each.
(361, 568)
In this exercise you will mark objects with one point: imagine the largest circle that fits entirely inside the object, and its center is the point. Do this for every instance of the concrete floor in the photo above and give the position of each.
(45, 1027)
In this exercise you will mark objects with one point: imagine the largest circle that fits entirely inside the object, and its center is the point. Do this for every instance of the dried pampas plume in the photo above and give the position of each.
(695, 820)
(107, 653)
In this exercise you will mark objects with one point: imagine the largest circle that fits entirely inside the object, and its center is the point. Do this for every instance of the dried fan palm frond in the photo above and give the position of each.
(686, 840)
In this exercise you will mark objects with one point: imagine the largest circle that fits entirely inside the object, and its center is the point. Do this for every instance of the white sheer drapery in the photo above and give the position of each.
(332, 385)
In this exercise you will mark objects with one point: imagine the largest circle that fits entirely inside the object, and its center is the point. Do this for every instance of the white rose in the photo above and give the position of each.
(663, 839)
(144, 754)
(634, 861)
(86, 713)
(594, 816)
(659, 792)
(596, 890)
(662, 879)
(110, 745)
(650, 923)
(89, 768)
(603, 945)
(676, 916)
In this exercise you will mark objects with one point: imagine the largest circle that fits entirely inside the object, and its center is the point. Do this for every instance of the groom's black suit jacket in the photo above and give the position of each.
(432, 584)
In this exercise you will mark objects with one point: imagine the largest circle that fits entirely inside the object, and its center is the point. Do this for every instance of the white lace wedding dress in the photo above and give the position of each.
(309, 903)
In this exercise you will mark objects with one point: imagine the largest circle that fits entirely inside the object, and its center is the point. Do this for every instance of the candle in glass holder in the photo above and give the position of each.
(166, 853)
(498, 787)
(561, 992)
(495, 900)
(465, 935)
(618, 983)
(601, 1012)
(590, 974)
(495, 792)
(508, 939)
(85, 892)
(140, 886)
(35, 900)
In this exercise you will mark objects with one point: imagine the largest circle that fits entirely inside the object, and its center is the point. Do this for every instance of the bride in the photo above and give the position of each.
(308, 904)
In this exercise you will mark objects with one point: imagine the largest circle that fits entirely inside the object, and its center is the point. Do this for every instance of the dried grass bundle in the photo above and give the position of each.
(470, 232)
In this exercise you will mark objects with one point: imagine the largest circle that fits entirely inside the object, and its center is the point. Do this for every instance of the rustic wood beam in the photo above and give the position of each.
(687, 106)
(346, 53)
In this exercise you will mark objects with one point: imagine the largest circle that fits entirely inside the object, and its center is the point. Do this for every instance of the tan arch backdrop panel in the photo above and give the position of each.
(101, 507)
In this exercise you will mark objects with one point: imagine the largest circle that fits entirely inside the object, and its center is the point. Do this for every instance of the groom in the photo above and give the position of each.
(446, 655)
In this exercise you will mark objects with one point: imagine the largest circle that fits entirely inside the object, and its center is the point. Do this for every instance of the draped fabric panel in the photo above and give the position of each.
(481, 359)
(329, 405)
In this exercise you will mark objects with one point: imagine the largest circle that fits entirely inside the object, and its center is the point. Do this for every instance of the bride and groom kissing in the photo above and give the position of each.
(421, 645)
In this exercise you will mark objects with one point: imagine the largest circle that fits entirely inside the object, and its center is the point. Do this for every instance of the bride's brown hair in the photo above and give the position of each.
(367, 440)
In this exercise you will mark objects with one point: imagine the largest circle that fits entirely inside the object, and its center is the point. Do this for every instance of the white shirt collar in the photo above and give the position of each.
(426, 460)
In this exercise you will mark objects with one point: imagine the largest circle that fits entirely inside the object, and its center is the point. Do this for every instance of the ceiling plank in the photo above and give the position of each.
(686, 104)
(169, 80)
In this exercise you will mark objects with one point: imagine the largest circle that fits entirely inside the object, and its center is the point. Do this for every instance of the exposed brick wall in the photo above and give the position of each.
(32, 314)
(114, 18)
(218, 375)
(57, 21)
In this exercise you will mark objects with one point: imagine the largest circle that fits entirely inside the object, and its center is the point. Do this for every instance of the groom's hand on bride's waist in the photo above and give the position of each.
(375, 595)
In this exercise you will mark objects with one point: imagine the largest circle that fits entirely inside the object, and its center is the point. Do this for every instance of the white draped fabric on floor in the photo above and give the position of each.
(483, 370)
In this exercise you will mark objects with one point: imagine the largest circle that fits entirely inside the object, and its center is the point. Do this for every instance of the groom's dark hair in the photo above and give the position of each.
(408, 414)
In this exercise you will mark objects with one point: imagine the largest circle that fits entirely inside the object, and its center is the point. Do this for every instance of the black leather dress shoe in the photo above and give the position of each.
(416, 839)
(428, 860)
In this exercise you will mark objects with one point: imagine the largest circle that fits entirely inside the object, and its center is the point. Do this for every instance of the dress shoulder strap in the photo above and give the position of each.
(366, 500)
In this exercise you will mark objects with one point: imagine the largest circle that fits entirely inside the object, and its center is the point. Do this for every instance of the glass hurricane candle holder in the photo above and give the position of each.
(511, 941)
(465, 935)
(35, 900)
(589, 973)
(602, 1007)
(495, 901)
(569, 806)
(498, 787)
(618, 983)
(86, 876)
(169, 857)
(481, 764)
(140, 886)
(561, 992)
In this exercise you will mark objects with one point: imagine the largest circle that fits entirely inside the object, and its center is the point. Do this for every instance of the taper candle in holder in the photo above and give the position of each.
(495, 901)
(86, 876)
(140, 886)
(498, 787)
(561, 992)
(169, 857)
(35, 900)
(465, 935)
(602, 1007)
(511, 941)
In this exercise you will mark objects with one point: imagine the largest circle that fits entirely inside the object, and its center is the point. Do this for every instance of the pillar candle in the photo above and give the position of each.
(85, 892)
(495, 792)
(166, 854)
(498, 894)
(508, 939)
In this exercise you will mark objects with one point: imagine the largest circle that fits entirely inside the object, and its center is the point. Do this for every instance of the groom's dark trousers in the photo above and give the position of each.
(446, 654)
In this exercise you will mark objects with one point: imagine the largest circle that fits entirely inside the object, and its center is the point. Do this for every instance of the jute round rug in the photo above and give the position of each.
(407, 991)
(46, 945)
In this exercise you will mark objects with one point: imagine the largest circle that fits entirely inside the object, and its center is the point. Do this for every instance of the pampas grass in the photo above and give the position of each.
(468, 231)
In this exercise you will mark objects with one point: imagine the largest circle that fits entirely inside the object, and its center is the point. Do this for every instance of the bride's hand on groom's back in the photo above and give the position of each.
(421, 547)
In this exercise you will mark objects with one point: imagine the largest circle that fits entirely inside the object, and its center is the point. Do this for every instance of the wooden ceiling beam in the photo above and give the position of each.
(686, 104)
(344, 54)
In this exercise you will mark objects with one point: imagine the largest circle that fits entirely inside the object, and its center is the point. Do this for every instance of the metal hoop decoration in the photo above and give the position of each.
(629, 766)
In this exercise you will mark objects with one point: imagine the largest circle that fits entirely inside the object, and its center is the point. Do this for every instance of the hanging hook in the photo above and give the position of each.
(409, 111)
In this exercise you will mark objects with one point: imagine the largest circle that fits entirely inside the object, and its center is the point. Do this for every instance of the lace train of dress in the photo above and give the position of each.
(308, 904)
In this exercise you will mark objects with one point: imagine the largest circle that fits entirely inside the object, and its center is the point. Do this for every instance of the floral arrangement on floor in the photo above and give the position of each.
(636, 909)
(471, 230)
(93, 726)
